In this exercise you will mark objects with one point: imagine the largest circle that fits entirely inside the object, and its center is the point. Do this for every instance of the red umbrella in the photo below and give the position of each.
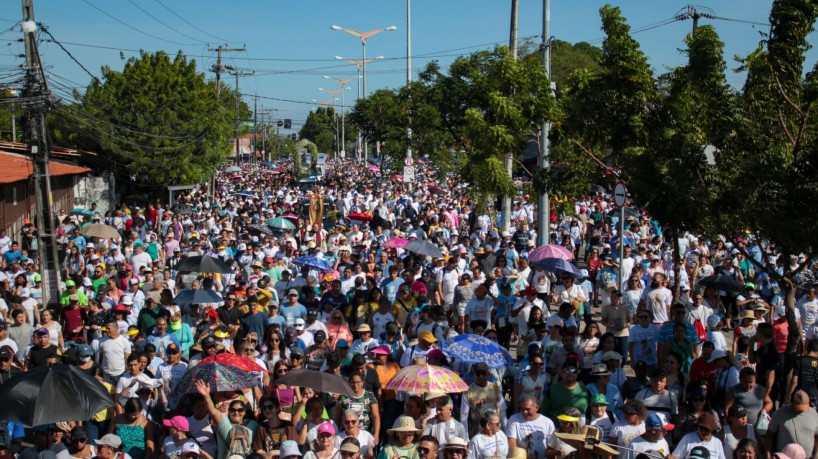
(224, 372)
(291, 217)
(436, 189)
(360, 216)
(233, 360)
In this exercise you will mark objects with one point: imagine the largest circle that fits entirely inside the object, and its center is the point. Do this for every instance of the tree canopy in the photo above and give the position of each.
(157, 120)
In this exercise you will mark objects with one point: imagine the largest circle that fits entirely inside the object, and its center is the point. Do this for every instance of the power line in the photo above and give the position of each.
(134, 28)
(162, 22)
(190, 24)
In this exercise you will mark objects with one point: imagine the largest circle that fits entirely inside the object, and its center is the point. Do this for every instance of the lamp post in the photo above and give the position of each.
(358, 65)
(334, 93)
(363, 36)
(344, 88)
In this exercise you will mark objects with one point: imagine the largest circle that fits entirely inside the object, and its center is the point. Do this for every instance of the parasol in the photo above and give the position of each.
(472, 348)
(100, 230)
(424, 379)
(550, 251)
(396, 243)
(224, 372)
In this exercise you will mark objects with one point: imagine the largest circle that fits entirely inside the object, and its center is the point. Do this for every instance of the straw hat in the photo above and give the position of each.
(405, 424)
(517, 453)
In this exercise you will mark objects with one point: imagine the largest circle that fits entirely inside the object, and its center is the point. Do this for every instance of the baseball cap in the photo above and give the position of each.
(290, 448)
(342, 343)
(292, 291)
(172, 348)
(326, 427)
(717, 354)
(297, 351)
(42, 331)
(699, 452)
(481, 367)
(427, 336)
(658, 421)
(178, 422)
(85, 350)
(737, 411)
(320, 336)
(300, 324)
(110, 440)
(6, 352)
(191, 447)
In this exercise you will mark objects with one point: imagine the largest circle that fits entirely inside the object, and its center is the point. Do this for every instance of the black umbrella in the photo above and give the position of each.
(263, 229)
(49, 394)
(203, 264)
(321, 382)
(197, 296)
(424, 248)
(723, 282)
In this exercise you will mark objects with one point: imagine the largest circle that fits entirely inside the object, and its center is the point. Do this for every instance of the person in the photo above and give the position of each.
(630, 427)
(489, 441)
(656, 397)
(323, 447)
(428, 447)
(703, 437)
(443, 425)
(804, 375)
(749, 449)
(531, 382)
(200, 428)
(178, 435)
(736, 430)
(43, 352)
(134, 430)
(352, 430)
(234, 435)
(108, 448)
(482, 395)
(364, 403)
(749, 395)
(171, 372)
(642, 340)
(456, 448)
(794, 423)
(79, 446)
(274, 428)
(602, 386)
(764, 356)
(568, 392)
(653, 439)
(528, 426)
(402, 443)
(113, 351)
(618, 320)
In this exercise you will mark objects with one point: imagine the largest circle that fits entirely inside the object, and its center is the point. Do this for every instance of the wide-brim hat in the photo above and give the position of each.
(405, 424)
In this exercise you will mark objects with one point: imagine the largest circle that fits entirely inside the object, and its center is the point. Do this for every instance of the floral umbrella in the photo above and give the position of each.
(472, 348)
(314, 263)
(423, 379)
(550, 251)
(224, 372)
(396, 243)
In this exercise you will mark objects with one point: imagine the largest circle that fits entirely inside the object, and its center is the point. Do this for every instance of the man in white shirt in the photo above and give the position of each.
(112, 352)
(528, 427)
(140, 258)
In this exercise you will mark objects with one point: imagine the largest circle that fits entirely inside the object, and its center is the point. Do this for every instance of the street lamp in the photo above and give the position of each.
(358, 65)
(344, 88)
(363, 36)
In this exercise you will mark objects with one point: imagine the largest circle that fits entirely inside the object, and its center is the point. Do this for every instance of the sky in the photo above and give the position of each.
(290, 45)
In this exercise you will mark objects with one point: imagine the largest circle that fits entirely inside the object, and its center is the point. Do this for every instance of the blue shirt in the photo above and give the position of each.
(290, 313)
(12, 257)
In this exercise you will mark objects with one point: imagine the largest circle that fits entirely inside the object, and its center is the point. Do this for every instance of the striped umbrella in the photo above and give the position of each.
(422, 379)
(472, 348)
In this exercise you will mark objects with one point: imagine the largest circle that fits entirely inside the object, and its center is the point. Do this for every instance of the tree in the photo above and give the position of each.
(158, 119)
(320, 128)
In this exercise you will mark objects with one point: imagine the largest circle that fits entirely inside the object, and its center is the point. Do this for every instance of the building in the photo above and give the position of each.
(16, 181)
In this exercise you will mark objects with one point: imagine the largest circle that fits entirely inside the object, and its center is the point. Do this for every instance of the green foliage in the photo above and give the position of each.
(320, 128)
(158, 119)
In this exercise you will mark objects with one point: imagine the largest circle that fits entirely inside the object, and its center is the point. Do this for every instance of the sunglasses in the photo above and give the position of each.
(79, 440)
(236, 410)
(347, 453)
(268, 407)
(350, 422)
(422, 450)
(570, 370)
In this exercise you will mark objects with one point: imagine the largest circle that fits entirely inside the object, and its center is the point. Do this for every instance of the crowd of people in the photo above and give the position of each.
(700, 376)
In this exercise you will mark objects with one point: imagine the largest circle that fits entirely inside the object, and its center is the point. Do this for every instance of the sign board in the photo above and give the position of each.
(409, 174)
(619, 194)
(408, 161)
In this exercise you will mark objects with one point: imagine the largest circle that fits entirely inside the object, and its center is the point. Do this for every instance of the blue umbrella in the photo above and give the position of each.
(81, 211)
(245, 193)
(558, 266)
(189, 296)
(314, 263)
(472, 348)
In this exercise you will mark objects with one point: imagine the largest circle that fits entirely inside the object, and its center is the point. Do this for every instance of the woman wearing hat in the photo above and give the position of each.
(324, 445)
(178, 430)
(456, 448)
(490, 441)
(736, 430)
(747, 327)
(602, 386)
(402, 442)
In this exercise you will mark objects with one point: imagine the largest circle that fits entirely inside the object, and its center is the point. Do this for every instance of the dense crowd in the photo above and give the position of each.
(698, 378)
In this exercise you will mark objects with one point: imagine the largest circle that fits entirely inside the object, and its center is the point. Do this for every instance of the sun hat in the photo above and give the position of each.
(289, 448)
(349, 445)
(600, 369)
(611, 355)
(405, 424)
(708, 421)
(599, 399)
(363, 328)
(794, 451)
(109, 440)
(456, 443)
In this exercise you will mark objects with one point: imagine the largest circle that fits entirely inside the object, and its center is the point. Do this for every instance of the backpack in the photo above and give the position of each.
(239, 442)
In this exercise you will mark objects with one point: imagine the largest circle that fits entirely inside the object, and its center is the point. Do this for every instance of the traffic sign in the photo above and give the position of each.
(620, 192)
(408, 161)
(409, 174)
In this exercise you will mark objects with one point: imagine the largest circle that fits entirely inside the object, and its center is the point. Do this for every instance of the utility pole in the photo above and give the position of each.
(255, 123)
(218, 68)
(695, 12)
(543, 205)
(508, 162)
(36, 90)
(237, 74)
(408, 79)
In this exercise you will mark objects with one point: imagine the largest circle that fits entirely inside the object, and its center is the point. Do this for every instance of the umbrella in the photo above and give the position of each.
(203, 264)
(314, 263)
(425, 379)
(101, 230)
(396, 243)
(598, 189)
(436, 189)
(232, 169)
(318, 380)
(374, 168)
(52, 393)
(280, 223)
(245, 193)
(472, 348)
(197, 296)
(291, 217)
(81, 211)
(224, 372)
(723, 282)
(360, 216)
(558, 266)
(425, 248)
(183, 209)
(261, 229)
(550, 251)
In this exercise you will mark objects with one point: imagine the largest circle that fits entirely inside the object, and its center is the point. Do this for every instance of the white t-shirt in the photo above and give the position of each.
(202, 431)
(644, 342)
(625, 434)
(643, 446)
(10, 343)
(112, 353)
(692, 440)
(519, 428)
(485, 447)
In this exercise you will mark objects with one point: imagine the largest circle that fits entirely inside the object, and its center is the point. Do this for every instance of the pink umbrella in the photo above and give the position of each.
(396, 243)
(550, 251)
(374, 168)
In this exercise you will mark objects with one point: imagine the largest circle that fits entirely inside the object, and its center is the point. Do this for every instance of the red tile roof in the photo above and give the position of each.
(18, 167)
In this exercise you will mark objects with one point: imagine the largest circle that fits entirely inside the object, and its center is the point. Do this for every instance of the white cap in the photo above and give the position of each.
(299, 323)
(717, 354)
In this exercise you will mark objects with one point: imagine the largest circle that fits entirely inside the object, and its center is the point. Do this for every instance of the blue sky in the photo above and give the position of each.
(290, 45)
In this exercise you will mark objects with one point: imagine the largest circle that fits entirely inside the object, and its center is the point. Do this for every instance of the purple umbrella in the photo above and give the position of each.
(396, 243)
(550, 251)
